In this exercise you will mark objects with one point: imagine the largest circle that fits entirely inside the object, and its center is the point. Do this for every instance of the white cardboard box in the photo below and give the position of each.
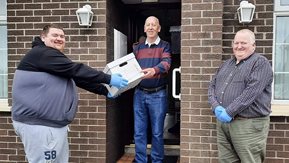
(129, 68)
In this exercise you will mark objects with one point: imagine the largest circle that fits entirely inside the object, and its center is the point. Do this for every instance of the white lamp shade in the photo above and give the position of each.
(246, 12)
(84, 16)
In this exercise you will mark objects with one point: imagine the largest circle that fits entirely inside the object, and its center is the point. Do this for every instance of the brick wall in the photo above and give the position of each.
(201, 49)
(278, 141)
(88, 45)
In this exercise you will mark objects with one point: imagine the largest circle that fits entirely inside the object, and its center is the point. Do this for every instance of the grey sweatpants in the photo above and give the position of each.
(43, 144)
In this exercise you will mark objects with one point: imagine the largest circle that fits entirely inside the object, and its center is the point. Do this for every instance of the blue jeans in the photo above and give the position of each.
(153, 107)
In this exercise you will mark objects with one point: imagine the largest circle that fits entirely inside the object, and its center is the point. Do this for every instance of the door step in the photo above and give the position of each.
(170, 150)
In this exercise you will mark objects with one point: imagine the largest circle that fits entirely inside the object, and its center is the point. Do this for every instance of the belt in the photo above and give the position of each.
(240, 118)
(151, 90)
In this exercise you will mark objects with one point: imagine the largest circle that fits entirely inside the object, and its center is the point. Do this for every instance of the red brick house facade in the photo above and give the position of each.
(97, 134)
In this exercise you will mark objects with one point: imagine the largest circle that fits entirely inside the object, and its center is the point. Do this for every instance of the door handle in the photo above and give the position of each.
(174, 83)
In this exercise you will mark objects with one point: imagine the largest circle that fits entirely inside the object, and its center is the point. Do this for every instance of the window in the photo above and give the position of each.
(281, 58)
(3, 58)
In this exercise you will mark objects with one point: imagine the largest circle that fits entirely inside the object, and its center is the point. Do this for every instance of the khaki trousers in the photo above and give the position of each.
(243, 140)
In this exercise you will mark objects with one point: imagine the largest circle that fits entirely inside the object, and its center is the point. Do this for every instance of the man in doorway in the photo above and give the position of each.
(45, 98)
(150, 97)
(240, 96)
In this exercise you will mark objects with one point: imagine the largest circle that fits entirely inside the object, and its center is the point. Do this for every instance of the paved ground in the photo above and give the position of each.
(128, 158)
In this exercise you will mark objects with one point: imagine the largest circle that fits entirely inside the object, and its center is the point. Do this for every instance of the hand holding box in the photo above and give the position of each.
(129, 68)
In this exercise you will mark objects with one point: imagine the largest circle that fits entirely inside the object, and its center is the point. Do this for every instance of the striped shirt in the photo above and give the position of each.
(244, 89)
(157, 56)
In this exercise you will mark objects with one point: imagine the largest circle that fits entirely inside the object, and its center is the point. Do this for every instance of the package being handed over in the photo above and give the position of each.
(129, 68)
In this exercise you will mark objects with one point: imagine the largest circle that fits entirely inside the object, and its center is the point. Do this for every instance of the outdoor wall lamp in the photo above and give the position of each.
(84, 16)
(245, 12)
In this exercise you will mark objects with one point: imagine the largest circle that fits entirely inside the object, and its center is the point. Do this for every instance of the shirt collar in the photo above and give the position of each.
(157, 41)
(243, 60)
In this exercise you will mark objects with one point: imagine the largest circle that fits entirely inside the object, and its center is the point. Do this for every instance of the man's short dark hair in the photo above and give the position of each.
(46, 28)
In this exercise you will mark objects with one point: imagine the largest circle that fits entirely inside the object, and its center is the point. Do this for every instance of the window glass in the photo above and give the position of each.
(3, 10)
(3, 63)
(284, 2)
(3, 51)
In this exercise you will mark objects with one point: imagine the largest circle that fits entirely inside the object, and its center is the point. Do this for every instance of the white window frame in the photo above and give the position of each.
(3, 18)
(279, 7)
(4, 102)
(4, 105)
(279, 107)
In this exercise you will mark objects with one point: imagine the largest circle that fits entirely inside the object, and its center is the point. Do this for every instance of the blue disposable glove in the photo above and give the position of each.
(218, 110)
(110, 96)
(224, 117)
(118, 81)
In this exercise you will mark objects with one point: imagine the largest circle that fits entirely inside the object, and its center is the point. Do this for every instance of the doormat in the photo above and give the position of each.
(171, 159)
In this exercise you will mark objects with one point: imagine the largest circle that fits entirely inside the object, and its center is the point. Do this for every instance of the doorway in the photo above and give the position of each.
(134, 13)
